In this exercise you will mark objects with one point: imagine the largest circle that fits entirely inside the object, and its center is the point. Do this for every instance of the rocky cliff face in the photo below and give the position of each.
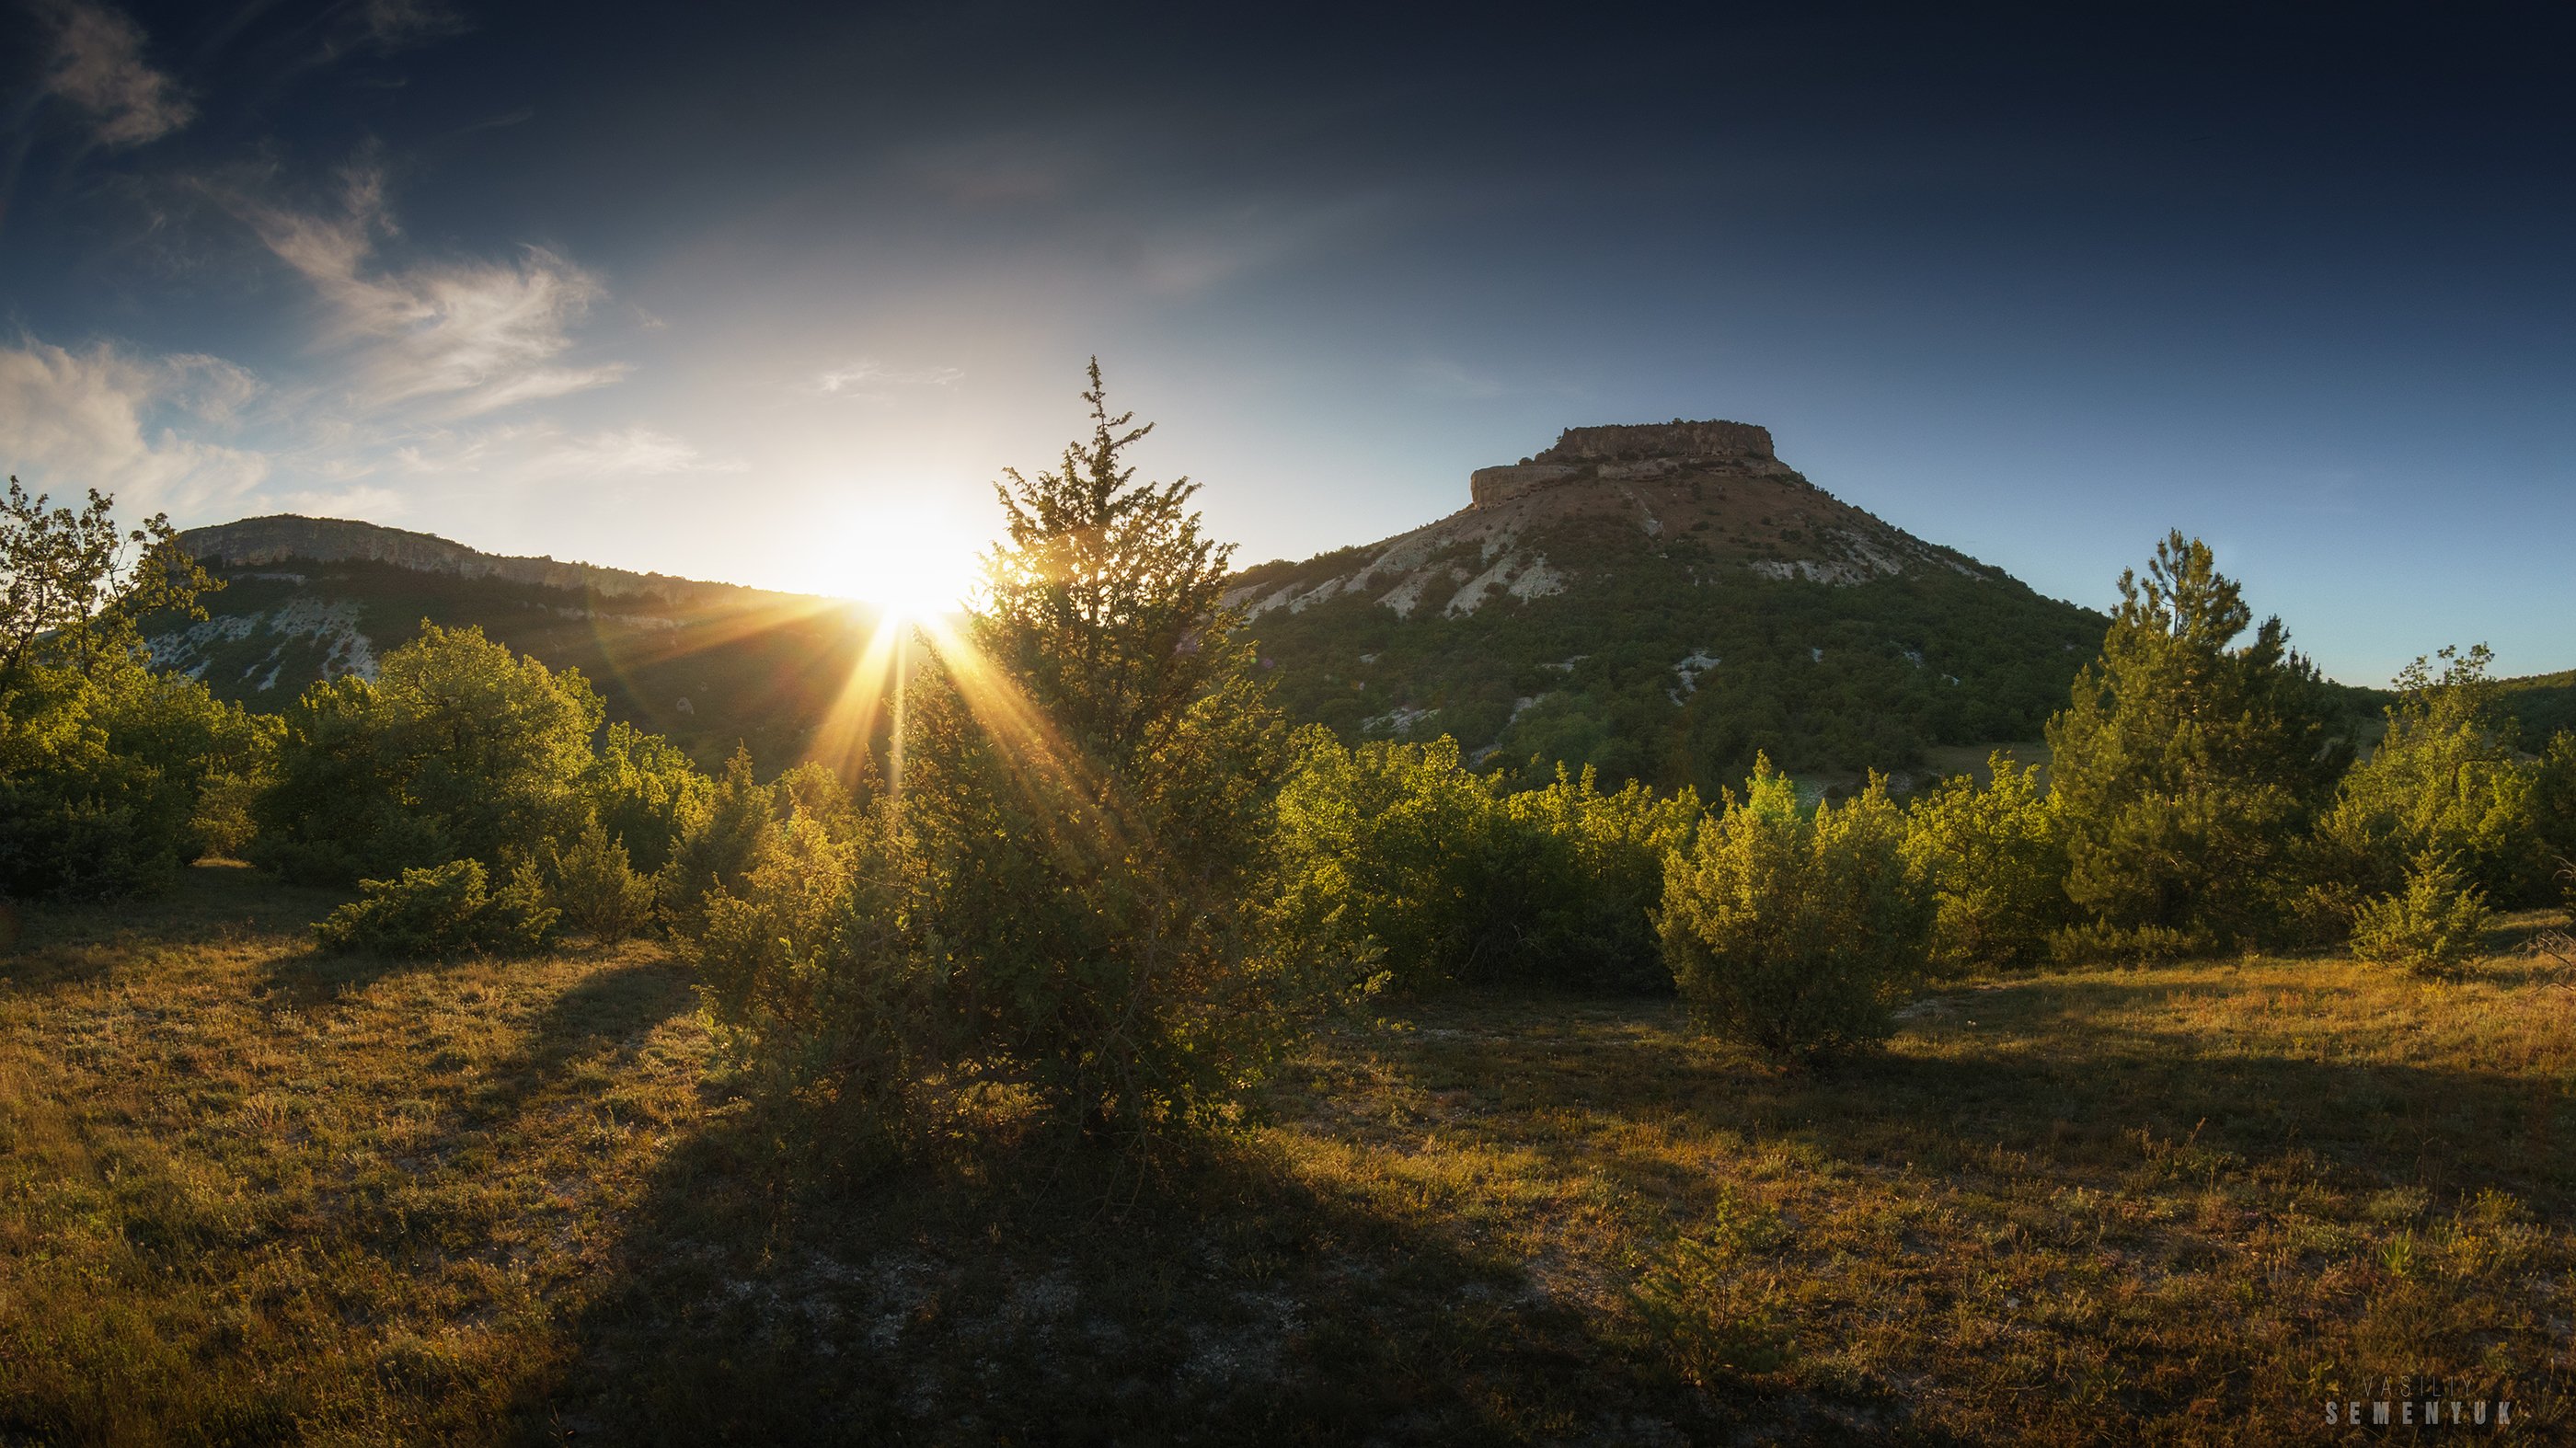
(1708, 493)
(287, 537)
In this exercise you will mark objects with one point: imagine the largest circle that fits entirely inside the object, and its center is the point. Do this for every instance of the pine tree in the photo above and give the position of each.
(2186, 765)
(1090, 780)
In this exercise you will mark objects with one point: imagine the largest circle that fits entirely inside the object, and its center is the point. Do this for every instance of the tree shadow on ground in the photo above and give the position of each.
(54, 946)
(619, 1005)
(2002, 1122)
(1045, 1295)
(2050, 1072)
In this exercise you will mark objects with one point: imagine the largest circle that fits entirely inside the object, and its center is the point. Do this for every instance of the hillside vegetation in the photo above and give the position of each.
(709, 666)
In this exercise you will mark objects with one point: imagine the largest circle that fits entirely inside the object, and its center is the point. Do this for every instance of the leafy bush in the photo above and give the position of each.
(2187, 768)
(2093, 943)
(1791, 932)
(2431, 925)
(818, 982)
(2447, 778)
(646, 794)
(592, 884)
(1996, 865)
(1392, 851)
(717, 848)
(1584, 871)
(457, 748)
(105, 775)
(1399, 852)
(441, 912)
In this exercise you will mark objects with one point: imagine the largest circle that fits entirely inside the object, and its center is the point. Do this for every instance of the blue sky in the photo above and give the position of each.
(771, 293)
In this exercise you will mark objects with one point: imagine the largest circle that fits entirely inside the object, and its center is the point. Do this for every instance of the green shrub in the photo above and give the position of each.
(2094, 943)
(716, 849)
(2432, 925)
(645, 793)
(1393, 851)
(1398, 852)
(2447, 777)
(440, 912)
(820, 988)
(1791, 932)
(1713, 1306)
(597, 891)
(457, 748)
(1583, 871)
(106, 774)
(1996, 865)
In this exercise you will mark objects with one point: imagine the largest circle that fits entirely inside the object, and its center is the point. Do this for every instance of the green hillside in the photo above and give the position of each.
(1664, 602)
(707, 665)
(2542, 703)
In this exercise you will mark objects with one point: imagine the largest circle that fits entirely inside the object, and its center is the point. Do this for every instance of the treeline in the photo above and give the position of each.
(1110, 884)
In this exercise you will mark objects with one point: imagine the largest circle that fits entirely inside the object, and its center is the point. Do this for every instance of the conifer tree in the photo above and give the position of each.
(1090, 782)
(2187, 764)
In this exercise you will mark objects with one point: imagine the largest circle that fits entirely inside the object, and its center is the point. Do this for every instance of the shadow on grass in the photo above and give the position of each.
(1034, 1296)
(617, 1005)
(50, 946)
(2048, 1072)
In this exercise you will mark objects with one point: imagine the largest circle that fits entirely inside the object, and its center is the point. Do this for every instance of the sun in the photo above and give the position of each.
(910, 561)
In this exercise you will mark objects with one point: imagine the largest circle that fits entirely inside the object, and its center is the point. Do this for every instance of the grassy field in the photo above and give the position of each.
(252, 1195)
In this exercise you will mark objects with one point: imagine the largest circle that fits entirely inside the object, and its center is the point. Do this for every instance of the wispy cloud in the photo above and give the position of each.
(104, 419)
(385, 26)
(98, 65)
(540, 454)
(869, 378)
(473, 335)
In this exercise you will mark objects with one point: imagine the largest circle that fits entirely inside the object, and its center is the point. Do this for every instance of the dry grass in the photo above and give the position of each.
(250, 1195)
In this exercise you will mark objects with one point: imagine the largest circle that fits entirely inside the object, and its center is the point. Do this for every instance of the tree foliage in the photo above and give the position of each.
(2187, 765)
(75, 583)
(2448, 778)
(1996, 865)
(1796, 932)
(456, 749)
(1085, 824)
(107, 768)
(1399, 852)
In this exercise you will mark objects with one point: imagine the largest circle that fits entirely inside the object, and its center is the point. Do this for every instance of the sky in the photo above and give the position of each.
(772, 293)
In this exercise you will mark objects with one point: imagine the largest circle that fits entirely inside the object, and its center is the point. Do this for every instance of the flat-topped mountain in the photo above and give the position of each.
(1599, 497)
(1665, 600)
(709, 664)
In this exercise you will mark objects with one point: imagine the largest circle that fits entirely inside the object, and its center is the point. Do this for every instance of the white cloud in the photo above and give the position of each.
(94, 419)
(867, 377)
(521, 456)
(98, 65)
(635, 452)
(471, 336)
